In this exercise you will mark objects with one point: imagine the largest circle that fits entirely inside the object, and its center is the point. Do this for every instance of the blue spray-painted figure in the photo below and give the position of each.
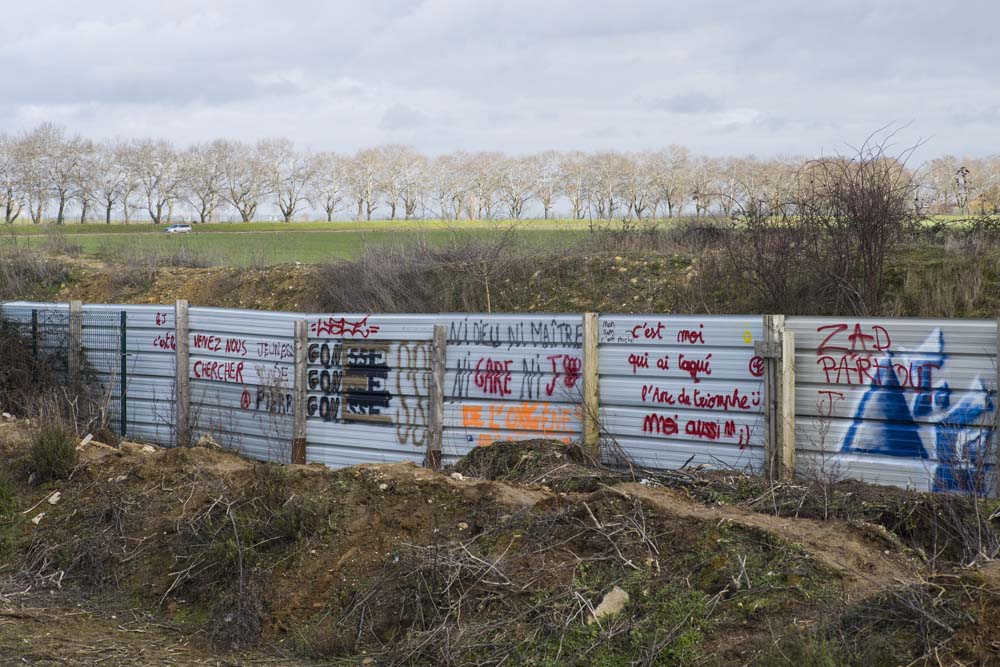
(891, 422)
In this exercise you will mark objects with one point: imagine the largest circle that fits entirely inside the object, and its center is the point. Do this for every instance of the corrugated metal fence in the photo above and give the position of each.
(904, 402)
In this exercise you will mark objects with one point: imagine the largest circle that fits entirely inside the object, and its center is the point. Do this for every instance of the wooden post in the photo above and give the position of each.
(75, 342)
(786, 428)
(591, 394)
(778, 352)
(300, 379)
(435, 421)
(182, 383)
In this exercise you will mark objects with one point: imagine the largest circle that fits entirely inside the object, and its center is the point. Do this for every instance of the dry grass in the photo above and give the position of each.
(25, 272)
(464, 275)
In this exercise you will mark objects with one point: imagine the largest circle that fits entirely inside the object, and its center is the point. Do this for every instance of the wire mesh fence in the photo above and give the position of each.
(104, 365)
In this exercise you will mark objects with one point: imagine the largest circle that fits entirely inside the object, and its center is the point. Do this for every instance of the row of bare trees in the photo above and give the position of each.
(47, 174)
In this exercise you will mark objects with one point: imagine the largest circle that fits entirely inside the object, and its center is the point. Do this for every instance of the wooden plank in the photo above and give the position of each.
(591, 378)
(75, 342)
(300, 385)
(182, 383)
(787, 406)
(435, 425)
(773, 327)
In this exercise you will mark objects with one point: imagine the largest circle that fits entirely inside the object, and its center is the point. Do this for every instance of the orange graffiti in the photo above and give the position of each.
(541, 418)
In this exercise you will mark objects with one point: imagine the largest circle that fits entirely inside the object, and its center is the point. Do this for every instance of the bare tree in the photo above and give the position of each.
(607, 171)
(413, 184)
(158, 171)
(481, 170)
(245, 181)
(548, 183)
(84, 177)
(127, 161)
(109, 178)
(10, 180)
(446, 187)
(861, 208)
(576, 183)
(326, 188)
(202, 178)
(669, 171)
(60, 159)
(364, 178)
(30, 154)
(288, 174)
(516, 179)
(397, 171)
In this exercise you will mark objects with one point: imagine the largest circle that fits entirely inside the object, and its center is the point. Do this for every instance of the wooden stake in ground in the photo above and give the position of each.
(301, 375)
(435, 422)
(591, 394)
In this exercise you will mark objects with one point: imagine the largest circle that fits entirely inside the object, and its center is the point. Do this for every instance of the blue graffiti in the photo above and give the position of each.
(891, 420)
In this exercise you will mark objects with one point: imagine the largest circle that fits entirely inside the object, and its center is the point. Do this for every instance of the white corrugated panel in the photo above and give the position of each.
(678, 390)
(907, 402)
(511, 377)
(508, 376)
(242, 379)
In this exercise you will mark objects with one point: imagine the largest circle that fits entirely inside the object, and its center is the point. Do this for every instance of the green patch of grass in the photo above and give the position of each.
(301, 243)
(662, 624)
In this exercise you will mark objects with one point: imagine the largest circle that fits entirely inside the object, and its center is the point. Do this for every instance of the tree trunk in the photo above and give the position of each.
(107, 213)
(84, 205)
(60, 215)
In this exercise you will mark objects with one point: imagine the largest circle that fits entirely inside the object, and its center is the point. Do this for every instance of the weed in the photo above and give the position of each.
(53, 454)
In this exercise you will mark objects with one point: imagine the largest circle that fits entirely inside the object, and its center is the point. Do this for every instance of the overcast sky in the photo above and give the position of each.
(763, 77)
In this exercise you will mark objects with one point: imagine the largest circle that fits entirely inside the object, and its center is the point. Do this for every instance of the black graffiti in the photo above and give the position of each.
(544, 334)
(274, 401)
(354, 381)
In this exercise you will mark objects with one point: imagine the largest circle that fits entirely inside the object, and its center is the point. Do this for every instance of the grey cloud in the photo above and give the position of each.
(518, 75)
(401, 117)
(693, 103)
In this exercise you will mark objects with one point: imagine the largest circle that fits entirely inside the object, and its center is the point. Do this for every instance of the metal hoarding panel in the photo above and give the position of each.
(511, 377)
(909, 402)
(683, 390)
(242, 379)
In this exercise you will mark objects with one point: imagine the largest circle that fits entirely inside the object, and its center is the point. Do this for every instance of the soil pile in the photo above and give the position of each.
(176, 555)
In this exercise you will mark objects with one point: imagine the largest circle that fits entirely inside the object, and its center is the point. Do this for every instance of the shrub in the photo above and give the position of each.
(463, 275)
(25, 273)
(53, 454)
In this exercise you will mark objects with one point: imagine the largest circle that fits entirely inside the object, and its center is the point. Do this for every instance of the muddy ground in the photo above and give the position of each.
(196, 556)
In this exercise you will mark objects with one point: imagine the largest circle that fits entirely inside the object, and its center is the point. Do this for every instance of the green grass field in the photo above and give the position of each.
(307, 242)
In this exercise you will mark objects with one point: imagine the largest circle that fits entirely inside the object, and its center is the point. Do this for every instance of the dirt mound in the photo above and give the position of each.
(400, 565)
(549, 463)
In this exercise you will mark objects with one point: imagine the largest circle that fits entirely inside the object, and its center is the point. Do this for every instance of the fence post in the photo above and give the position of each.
(123, 373)
(34, 335)
(182, 364)
(435, 421)
(34, 344)
(75, 341)
(778, 352)
(300, 380)
(591, 394)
